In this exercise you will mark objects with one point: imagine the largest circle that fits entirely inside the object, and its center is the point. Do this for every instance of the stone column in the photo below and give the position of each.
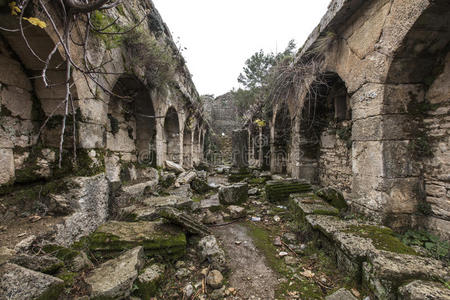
(385, 177)
(260, 145)
(160, 143)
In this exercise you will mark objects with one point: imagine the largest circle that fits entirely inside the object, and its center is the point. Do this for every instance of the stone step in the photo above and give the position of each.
(279, 190)
(371, 252)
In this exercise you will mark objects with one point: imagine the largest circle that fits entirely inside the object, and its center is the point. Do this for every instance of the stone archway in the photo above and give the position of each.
(415, 113)
(27, 104)
(282, 128)
(172, 135)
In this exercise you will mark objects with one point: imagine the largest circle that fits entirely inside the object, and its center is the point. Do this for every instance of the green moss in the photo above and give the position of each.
(260, 180)
(52, 269)
(101, 21)
(382, 238)
(65, 254)
(233, 178)
(52, 293)
(68, 278)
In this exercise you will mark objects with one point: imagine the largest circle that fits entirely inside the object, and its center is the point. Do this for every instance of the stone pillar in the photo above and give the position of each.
(240, 148)
(260, 145)
(386, 180)
(273, 158)
(160, 143)
(295, 149)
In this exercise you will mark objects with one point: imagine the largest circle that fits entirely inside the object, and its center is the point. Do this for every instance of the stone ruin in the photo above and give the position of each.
(372, 119)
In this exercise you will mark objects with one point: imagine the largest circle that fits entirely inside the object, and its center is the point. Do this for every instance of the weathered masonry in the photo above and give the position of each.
(148, 116)
(374, 120)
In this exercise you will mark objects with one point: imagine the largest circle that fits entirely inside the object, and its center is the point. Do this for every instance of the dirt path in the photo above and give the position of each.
(250, 275)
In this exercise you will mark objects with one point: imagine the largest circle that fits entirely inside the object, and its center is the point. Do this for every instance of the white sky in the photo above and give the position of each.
(220, 35)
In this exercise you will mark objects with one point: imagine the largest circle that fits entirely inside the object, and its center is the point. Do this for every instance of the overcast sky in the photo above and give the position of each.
(220, 35)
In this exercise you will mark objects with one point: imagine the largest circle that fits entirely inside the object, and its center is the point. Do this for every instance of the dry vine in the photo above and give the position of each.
(75, 14)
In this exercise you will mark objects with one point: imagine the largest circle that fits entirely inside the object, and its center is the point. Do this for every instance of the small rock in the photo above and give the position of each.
(253, 192)
(256, 219)
(180, 264)
(283, 254)
(277, 219)
(214, 279)
(236, 212)
(182, 273)
(188, 290)
(291, 261)
(238, 242)
(218, 294)
(25, 244)
(210, 218)
(204, 271)
(277, 241)
(210, 250)
(3, 228)
(148, 281)
(289, 237)
(356, 293)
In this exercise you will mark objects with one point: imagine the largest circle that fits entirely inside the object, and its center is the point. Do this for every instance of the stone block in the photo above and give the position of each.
(157, 239)
(93, 111)
(386, 127)
(20, 283)
(398, 160)
(240, 148)
(419, 290)
(114, 279)
(12, 74)
(7, 171)
(279, 190)
(328, 140)
(121, 141)
(367, 158)
(56, 92)
(233, 194)
(17, 101)
(91, 135)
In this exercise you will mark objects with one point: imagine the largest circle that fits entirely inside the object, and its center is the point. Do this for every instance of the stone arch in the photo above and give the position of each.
(281, 142)
(324, 128)
(414, 117)
(172, 135)
(27, 103)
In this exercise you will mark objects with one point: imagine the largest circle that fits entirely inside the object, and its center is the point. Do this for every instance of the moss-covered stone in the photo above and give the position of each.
(383, 238)
(149, 281)
(333, 196)
(279, 190)
(64, 254)
(158, 239)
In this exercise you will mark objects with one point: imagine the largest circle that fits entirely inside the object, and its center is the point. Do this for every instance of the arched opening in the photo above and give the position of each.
(27, 104)
(282, 140)
(131, 128)
(325, 131)
(172, 135)
(187, 147)
(417, 99)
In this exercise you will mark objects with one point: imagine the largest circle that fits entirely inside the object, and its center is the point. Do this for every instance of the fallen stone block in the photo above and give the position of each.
(341, 294)
(182, 191)
(233, 194)
(172, 166)
(184, 220)
(185, 178)
(419, 290)
(309, 204)
(158, 239)
(200, 186)
(180, 202)
(279, 190)
(44, 263)
(114, 279)
(166, 180)
(140, 189)
(17, 282)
